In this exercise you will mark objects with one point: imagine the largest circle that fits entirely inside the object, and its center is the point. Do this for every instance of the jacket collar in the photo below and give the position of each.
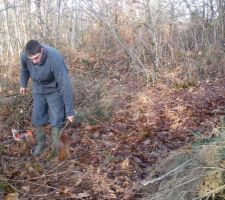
(44, 56)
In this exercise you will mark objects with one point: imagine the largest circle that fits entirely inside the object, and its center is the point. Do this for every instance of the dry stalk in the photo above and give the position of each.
(54, 174)
(107, 127)
(166, 175)
(29, 182)
(212, 192)
(183, 181)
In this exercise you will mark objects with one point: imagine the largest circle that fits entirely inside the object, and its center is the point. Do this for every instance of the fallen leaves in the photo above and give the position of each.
(12, 196)
(109, 157)
(26, 188)
(125, 164)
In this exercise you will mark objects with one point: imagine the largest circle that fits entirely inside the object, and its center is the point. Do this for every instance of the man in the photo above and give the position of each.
(51, 91)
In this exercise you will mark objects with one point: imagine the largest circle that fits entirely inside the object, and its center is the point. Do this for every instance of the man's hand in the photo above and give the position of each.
(70, 118)
(23, 90)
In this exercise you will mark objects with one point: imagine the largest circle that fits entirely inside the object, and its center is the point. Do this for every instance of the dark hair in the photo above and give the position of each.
(32, 47)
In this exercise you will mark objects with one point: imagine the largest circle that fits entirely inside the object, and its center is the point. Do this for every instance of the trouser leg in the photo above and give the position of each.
(56, 106)
(39, 118)
(57, 118)
(40, 110)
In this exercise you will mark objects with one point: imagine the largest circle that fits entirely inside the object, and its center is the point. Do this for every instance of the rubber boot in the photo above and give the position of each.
(55, 140)
(40, 141)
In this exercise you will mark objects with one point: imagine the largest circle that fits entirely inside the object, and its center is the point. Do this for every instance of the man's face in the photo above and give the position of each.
(36, 59)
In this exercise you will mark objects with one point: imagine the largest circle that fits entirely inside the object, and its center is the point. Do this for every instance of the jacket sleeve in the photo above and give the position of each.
(24, 72)
(64, 84)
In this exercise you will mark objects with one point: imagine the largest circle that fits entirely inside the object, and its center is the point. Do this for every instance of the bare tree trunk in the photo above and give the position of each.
(17, 30)
(8, 33)
(221, 7)
(57, 22)
(212, 20)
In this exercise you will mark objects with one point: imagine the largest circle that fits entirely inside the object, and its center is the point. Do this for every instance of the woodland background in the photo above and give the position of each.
(149, 86)
(157, 37)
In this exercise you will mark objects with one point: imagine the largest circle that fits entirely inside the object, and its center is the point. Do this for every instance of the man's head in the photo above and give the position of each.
(34, 51)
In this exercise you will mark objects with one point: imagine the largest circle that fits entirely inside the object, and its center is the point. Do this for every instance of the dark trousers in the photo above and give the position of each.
(48, 108)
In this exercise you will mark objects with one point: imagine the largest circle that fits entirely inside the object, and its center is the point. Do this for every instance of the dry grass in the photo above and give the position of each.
(193, 172)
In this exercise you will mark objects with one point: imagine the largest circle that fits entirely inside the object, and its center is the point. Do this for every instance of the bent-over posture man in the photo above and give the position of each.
(51, 91)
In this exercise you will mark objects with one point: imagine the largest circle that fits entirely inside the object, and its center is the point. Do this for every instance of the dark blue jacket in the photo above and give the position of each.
(49, 76)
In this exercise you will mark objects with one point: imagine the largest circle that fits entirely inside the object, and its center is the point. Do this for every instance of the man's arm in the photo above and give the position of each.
(24, 74)
(65, 86)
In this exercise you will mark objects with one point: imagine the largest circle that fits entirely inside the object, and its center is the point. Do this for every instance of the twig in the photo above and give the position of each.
(108, 128)
(165, 175)
(60, 164)
(18, 191)
(63, 128)
(32, 183)
(54, 174)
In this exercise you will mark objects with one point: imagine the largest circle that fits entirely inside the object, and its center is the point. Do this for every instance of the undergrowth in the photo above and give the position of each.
(195, 172)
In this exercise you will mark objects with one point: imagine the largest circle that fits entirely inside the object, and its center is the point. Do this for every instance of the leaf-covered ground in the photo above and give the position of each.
(108, 158)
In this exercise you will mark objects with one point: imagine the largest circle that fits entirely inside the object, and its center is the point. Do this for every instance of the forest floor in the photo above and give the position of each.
(130, 128)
